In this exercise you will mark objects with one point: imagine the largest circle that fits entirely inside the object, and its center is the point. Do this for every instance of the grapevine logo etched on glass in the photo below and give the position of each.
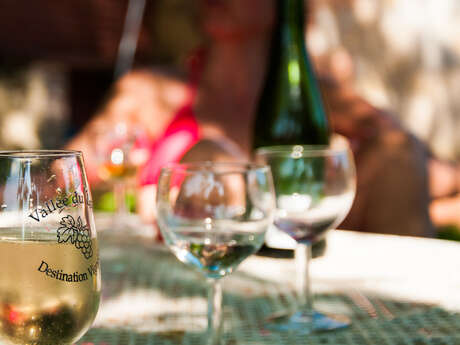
(71, 230)
(77, 233)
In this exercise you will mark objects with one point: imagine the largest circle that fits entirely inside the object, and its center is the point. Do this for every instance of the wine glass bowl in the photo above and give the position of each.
(315, 187)
(118, 154)
(49, 277)
(212, 217)
(116, 167)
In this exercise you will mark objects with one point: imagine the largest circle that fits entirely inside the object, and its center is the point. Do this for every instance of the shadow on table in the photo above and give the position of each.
(247, 302)
(420, 325)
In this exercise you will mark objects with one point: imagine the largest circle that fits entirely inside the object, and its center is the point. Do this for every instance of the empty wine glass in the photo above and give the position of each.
(315, 188)
(49, 266)
(213, 216)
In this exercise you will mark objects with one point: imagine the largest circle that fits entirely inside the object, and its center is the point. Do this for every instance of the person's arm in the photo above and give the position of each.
(392, 186)
(396, 194)
(445, 192)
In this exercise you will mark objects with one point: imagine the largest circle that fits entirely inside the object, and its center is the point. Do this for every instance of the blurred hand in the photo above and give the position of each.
(352, 116)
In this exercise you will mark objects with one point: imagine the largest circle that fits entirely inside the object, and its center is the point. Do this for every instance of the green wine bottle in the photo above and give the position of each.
(290, 110)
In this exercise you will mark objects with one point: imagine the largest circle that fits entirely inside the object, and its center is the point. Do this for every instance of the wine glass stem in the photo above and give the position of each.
(120, 198)
(302, 256)
(214, 311)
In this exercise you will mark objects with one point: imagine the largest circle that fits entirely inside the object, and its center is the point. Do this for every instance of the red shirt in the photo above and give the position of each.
(181, 134)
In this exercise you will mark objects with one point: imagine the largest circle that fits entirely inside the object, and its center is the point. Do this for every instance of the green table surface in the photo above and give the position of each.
(396, 290)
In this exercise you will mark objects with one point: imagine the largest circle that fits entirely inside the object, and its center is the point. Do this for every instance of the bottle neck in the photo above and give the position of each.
(290, 20)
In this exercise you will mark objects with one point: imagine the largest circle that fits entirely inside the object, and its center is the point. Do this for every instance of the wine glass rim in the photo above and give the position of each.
(338, 145)
(216, 167)
(37, 154)
(298, 151)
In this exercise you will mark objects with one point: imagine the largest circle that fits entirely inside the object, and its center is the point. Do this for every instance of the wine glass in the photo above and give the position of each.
(49, 265)
(213, 216)
(315, 188)
(119, 158)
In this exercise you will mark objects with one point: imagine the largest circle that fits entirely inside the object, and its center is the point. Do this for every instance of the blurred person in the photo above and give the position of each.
(407, 53)
(411, 65)
(211, 117)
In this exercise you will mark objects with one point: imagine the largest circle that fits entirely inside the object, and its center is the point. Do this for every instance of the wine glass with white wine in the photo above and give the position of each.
(315, 187)
(213, 216)
(119, 156)
(49, 265)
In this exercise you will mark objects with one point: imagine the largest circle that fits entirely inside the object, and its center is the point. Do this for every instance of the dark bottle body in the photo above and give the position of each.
(290, 110)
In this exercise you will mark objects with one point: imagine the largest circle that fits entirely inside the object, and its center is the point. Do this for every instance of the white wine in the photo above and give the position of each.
(49, 291)
(215, 253)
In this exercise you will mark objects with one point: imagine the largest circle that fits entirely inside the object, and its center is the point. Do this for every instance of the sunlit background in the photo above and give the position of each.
(402, 55)
(58, 59)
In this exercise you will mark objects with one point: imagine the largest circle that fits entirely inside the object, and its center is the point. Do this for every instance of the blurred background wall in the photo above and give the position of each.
(57, 60)
(402, 55)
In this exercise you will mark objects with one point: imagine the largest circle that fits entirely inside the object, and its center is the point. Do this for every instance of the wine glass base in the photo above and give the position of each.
(306, 323)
